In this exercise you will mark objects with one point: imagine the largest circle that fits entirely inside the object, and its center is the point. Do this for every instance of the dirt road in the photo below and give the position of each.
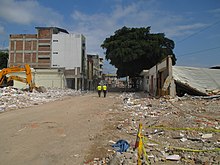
(56, 133)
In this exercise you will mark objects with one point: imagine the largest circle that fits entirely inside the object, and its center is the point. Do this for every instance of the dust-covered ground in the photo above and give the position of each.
(176, 130)
(72, 128)
(58, 131)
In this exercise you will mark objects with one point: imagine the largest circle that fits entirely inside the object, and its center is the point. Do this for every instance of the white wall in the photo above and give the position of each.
(43, 77)
(49, 78)
(66, 50)
(153, 78)
(145, 80)
(18, 84)
(166, 67)
(162, 66)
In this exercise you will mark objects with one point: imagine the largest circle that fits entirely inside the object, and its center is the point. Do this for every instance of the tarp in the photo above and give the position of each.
(204, 80)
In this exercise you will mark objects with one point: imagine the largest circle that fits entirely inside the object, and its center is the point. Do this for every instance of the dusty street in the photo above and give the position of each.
(59, 132)
(80, 129)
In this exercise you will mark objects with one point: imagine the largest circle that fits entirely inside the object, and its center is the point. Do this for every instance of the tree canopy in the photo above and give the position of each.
(132, 50)
(3, 60)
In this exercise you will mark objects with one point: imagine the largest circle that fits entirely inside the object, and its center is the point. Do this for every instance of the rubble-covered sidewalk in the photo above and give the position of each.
(11, 98)
(181, 130)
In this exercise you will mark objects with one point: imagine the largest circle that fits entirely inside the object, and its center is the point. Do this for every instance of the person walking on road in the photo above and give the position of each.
(99, 89)
(104, 90)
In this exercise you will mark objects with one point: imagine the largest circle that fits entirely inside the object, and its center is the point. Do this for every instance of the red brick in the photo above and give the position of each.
(44, 41)
(34, 57)
(27, 58)
(12, 45)
(28, 45)
(44, 61)
(44, 48)
(18, 58)
(43, 53)
(19, 45)
(11, 57)
(34, 45)
(44, 33)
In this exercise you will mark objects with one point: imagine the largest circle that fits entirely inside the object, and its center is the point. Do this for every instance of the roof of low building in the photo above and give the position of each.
(203, 80)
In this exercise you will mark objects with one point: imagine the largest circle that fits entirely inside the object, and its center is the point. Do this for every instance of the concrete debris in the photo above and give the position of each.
(12, 98)
(125, 158)
(173, 157)
(183, 139)
(206, 136)
(164, 145)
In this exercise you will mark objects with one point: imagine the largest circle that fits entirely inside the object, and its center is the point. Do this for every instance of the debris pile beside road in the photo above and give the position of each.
(12, 98)
(180, 130)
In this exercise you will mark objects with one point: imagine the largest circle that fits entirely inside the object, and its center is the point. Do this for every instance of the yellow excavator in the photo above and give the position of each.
(8, 81)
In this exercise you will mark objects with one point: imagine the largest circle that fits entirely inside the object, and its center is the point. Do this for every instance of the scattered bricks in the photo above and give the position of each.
(15, 99)
(184, 112)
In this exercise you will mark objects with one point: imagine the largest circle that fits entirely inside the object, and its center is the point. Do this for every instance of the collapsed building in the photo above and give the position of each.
(165, 79)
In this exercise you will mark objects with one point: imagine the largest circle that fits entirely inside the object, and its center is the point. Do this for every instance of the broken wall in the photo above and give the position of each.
(159, 75)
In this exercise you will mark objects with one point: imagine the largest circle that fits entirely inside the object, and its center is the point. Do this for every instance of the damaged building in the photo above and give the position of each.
(57, 57)
(165, 79)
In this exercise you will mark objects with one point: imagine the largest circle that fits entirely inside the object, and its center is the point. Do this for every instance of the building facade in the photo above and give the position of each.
(51, 48)
(158, 81)
(94, 70)
(34, 49)
(68, 50)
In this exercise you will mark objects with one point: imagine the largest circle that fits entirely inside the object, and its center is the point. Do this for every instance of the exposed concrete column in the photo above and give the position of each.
(172, 87)
(23, 48)
(15, 42)
(75, 79)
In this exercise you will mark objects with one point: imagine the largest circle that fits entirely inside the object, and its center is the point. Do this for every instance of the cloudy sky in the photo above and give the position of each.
(194, 25)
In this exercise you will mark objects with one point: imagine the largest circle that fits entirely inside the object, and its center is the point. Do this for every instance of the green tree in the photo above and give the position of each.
(132, 50)
(3, 60)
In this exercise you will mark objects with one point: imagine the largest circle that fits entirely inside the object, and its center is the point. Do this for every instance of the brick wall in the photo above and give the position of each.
(44, 33)
(11, 58)
(44, 48)
(28, 45)
(27, 58)
(19, 58)
(34, 49)
(12, 45)
(19, 45)
(34, 56)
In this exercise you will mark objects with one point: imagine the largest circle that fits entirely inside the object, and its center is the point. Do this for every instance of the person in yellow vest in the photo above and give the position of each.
(99, 89)
(104, 88)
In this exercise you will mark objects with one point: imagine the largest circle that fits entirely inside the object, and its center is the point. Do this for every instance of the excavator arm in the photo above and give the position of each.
(6, 71)
(27, 80)
(17, 78)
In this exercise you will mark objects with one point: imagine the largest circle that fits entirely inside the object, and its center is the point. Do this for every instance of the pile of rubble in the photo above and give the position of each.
(12, 98)
(181, 130)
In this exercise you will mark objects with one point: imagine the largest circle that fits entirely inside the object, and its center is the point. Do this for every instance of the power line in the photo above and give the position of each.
(199, 51)
(199, 31)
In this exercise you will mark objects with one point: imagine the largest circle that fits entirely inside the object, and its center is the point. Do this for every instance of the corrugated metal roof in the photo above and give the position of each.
(200, 79)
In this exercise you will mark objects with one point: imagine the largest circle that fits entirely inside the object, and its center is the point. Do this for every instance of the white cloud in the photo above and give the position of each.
(183, 30)
(215, 11)
(97, 27)
(2, 30)
(123, 11)
(28, 11)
